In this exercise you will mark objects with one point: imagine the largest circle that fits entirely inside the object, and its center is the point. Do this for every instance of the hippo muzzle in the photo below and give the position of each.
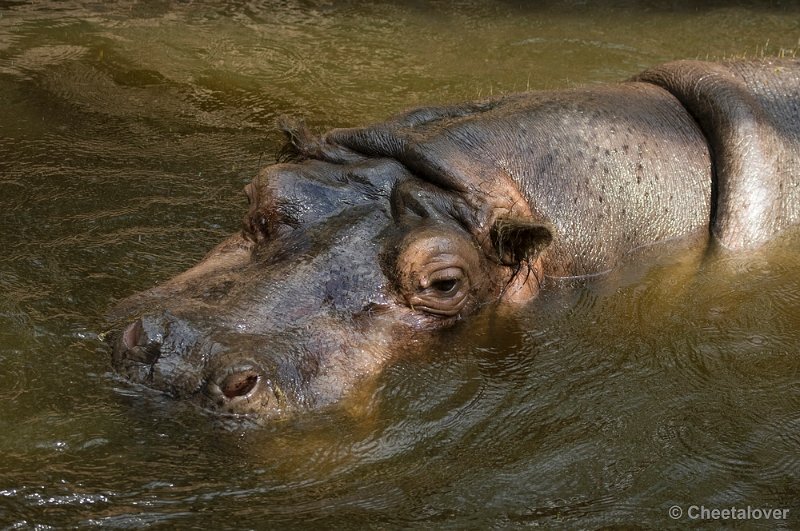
(249, 339)
(222, 374)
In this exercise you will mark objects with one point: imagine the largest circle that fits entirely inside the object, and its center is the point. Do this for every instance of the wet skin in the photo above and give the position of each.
(306, 302)
(374, 238)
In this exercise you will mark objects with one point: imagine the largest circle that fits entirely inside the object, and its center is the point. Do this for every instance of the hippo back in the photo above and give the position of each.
(750, 112)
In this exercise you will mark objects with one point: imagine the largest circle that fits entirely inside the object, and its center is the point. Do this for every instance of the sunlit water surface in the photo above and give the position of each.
(127, 131)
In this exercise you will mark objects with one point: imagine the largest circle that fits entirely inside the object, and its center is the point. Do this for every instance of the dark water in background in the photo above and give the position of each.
(127, 131)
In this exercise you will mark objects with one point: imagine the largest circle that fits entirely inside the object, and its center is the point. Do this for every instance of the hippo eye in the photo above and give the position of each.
(438, 269)
(441, 290)
(444, 282)
(445, 287)
(254, 229)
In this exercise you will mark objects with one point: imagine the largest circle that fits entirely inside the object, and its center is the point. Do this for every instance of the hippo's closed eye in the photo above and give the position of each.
(255, 228)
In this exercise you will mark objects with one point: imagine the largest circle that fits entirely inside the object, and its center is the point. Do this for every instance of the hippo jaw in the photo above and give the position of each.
(338, 269)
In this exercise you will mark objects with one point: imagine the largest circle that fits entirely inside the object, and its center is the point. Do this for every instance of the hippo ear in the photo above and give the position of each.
(519, 240)
(302, 144)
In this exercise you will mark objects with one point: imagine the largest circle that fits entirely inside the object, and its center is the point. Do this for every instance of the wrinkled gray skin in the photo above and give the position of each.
(376, 237)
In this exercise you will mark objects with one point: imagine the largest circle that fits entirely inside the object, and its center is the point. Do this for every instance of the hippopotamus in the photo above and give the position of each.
(360, 243)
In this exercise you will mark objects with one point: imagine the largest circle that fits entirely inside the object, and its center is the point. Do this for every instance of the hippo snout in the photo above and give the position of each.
(172, 354)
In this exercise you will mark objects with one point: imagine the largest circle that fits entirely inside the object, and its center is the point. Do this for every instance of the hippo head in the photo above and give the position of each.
(347, 258)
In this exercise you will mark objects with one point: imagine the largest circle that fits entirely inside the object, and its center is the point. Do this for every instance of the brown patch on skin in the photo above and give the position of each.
(505, 201)
(525, 284)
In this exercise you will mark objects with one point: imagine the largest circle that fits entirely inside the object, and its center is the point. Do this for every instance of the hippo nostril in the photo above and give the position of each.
(239, 384)
(132, 335)
(139, 343)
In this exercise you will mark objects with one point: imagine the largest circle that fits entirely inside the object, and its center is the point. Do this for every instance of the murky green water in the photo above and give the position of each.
(126, 133)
